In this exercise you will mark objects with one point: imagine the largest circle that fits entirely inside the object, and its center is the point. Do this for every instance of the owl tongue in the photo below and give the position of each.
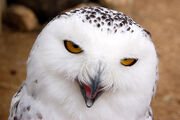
(89, 92)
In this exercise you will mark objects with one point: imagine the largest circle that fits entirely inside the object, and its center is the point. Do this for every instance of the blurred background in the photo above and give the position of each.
(22, 20)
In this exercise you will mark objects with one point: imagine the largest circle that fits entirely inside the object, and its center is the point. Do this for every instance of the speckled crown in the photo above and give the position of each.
(104, 18)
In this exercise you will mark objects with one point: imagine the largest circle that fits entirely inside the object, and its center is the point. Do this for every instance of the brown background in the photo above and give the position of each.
(160, 17)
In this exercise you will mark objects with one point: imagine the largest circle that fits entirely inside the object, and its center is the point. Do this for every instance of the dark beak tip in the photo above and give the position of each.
(89, 102)
(88, 106)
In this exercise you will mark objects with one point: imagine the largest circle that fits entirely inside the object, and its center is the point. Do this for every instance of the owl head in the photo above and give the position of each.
(96, 51)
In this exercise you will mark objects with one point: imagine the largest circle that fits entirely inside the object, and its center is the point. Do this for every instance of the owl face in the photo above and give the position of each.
(99, 56)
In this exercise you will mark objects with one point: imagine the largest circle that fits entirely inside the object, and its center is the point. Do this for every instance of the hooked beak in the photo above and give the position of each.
(91, 92)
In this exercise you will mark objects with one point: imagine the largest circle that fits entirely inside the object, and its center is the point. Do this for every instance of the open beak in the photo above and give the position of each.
(90, 93)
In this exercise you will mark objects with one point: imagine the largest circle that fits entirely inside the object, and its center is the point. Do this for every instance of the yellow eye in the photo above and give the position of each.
(128, 61)
(72, 47)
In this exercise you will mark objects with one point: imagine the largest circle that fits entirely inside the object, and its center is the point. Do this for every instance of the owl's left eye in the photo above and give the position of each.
(128, 61)
(72, 47)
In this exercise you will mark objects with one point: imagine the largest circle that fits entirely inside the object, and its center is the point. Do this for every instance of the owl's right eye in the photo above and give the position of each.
(72, 47)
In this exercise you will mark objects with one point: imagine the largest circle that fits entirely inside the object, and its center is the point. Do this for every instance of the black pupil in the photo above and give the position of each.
(75, 46)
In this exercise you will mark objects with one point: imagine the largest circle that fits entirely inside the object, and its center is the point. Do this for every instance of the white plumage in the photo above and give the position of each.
(75, 70)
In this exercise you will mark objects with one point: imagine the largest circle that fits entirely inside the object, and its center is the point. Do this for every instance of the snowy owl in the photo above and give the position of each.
(90, 63)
